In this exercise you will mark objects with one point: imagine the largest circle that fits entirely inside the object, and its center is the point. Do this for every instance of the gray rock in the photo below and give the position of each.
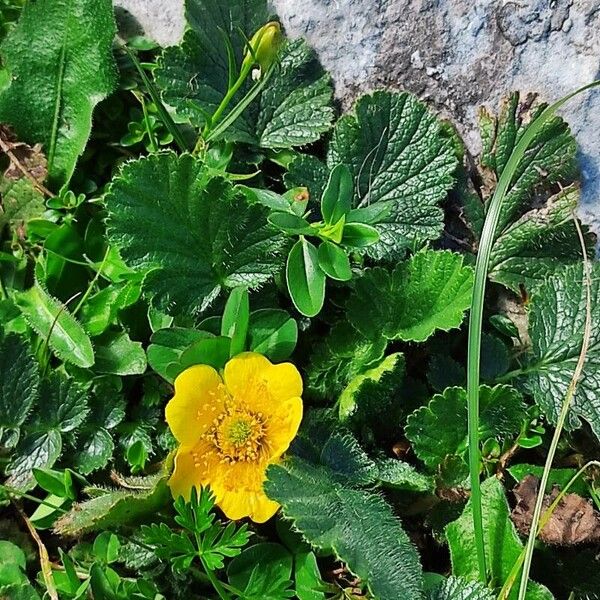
(456, 54)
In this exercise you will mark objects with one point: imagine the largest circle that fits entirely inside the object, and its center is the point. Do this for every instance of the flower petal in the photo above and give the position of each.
(240, 494)
(244, 372)
(283, 425)
(194, 467)
(199, 398)
(283, 382)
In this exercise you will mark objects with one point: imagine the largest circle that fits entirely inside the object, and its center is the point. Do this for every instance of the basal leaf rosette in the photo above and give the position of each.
(231, 427)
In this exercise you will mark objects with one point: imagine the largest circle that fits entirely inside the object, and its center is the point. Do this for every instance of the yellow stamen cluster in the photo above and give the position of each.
(237, 434)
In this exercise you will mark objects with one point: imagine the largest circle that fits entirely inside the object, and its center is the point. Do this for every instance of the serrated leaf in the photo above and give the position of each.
(531, 248)
(401, 159)
(502, 543)
(262, 572)
(293, 109)
(340, 356)
(295, 106)
(61, 65)
(115, 508)
(19, 385)
(40, 449)
(20, 202)
(215, 239)
(550, 157)
(53, 322)
(398, 475)
(323, 500)
(440, 428)
(556, 322)
(309, 172)
(459, 588)
(428, 292)
(64, 404)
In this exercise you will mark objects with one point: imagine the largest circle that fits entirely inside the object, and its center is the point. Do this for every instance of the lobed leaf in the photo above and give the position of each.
(428, 292)
(194, 234)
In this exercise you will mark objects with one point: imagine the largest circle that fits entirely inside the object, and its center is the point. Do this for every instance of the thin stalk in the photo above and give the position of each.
(91, 285)
(237, 110)
(19, 494)
(160, 107)
(211, 576)
(514, 573)
(564, 411)
(476, 315)
(231, 92)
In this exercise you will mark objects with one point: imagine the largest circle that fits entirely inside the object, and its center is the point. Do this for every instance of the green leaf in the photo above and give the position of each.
(213, 351)
(61, 65)
(20, 202)
(398, 475)
(215, 239)
(293, 109)
(459, 588)
(309, 172)
(359, 235)
(54, 323)
(502, 543)
(309, 585)
(236, 317)
(376, 391)
(295, 106)
(262, 571)
(556, 322)
(305, 278)
(531, 248)
(117, 354)
(550, 157)
(323, 497)
(19, 385)
(290, 223)
(115, 508)
(337, 197)
(440, 428)
(334, 261)
(272, 332)
(167, 345)
(400, 158)
(64, 406)
(106, 547)
(339, 357)
(40, 449)
(428, 292)
(94, 442)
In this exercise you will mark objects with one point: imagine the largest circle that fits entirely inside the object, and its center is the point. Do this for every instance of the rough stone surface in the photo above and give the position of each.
(456, 54)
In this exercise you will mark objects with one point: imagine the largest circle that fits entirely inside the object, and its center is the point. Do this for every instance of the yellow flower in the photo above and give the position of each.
(231, 428)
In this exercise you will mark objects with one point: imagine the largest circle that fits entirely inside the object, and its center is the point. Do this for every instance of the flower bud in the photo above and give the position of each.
(265, 44)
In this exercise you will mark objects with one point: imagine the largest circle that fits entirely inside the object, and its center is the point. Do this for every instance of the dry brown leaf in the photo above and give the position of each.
(25, 160)
(574, 520)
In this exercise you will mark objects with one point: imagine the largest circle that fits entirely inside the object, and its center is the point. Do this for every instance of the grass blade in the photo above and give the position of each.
(476, 315)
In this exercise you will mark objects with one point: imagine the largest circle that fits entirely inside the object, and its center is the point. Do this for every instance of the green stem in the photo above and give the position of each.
(211, 576)
(20, 494)
(92, 283)
(215, 582)
(476, 316)
(160, 107)
(231, 92)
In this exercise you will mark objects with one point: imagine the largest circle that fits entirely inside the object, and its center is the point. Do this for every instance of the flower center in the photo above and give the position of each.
(238, 435)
